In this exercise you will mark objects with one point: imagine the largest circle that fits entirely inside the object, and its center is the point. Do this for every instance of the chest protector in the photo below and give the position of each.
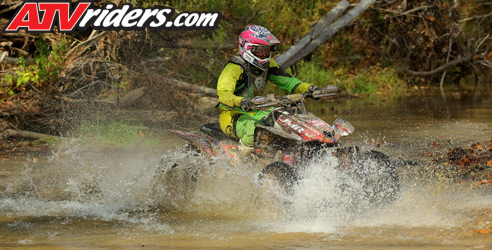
(252, 79)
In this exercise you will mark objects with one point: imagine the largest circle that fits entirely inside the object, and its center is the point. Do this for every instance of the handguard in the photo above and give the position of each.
(325, 92)
(264, 101)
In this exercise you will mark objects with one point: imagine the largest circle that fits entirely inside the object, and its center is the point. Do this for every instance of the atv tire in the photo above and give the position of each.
(174, 182)
(379, 177)
(284, 174)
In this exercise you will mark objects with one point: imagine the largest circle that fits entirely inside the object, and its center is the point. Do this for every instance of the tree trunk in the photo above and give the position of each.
(322, 32)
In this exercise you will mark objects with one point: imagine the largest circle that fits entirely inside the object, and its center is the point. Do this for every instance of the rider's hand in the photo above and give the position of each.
(311, 90)
(246, 104)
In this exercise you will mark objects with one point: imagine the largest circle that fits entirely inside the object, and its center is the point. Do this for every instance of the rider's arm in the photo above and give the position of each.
(285, 81)
(227, 84)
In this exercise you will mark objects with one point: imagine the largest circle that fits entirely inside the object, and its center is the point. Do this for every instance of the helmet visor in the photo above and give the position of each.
(261, 52)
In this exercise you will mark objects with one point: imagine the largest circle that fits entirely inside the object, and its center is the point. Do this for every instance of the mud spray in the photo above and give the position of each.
(193, 194)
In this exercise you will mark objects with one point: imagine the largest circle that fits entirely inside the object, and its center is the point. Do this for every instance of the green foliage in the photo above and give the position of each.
(124, 85)
(361, 85)
(108, 133)
(49, 59)
(313, 72)
(17, 80)
(49, 62)
(372, 80)
(220, 35)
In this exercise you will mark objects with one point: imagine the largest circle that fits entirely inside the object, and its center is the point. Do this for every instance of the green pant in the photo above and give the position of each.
(245, 126)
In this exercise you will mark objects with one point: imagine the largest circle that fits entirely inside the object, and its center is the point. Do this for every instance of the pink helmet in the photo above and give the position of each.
(255, 44)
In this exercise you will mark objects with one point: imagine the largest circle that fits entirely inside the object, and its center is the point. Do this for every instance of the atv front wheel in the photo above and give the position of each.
(379, 177)
(175, 180)
(284, 174)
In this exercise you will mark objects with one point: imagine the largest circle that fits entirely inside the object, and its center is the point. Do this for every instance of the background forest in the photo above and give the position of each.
(49, 81)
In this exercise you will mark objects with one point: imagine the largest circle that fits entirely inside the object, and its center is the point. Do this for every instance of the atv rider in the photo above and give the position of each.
(244, 77)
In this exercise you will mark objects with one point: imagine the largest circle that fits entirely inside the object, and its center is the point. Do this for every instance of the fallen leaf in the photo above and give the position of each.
(485, 182)
(478, 147)
(427, 155)
(489, 163)
(434, 144)
(431, 18)
(141, 134)
(466, 161)
(482, 231)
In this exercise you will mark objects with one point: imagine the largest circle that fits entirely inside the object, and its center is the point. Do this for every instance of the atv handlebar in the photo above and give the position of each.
(268, 101)
(324, 92)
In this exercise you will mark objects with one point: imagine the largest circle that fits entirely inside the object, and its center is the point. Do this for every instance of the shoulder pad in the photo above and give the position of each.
(239, 60)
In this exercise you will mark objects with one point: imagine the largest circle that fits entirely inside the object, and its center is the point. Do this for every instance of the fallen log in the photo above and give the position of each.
(196, 88)
(99, 101)
(26, 134)
(132, 97)
(309, 43)
(14, 60)
(286, 59)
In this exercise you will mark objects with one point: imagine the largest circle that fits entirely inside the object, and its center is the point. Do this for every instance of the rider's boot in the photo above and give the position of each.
(245, 151)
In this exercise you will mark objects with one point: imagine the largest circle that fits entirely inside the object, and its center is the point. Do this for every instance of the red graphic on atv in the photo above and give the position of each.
(307, 130)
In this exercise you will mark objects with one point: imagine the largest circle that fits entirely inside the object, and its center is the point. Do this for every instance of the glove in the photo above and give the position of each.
(311, 90)
(246, 104)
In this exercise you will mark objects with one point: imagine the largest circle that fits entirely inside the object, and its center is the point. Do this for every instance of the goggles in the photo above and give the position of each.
(262, 52)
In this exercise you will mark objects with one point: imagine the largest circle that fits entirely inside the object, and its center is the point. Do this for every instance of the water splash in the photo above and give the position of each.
(82, 181)
(103, 184)
(193, 184)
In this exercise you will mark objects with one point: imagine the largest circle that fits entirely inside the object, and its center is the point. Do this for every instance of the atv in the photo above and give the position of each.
(291, 137)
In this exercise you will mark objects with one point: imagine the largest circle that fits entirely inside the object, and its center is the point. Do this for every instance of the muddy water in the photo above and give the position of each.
(83, 197)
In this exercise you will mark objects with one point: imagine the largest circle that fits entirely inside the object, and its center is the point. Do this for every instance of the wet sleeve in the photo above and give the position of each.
(227, 84)
(284, 80)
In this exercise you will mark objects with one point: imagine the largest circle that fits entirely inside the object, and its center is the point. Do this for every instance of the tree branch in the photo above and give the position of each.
(440, 68)
(474, 17)
(415, 9)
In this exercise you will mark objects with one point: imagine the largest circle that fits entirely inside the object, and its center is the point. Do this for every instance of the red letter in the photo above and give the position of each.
(28, 10)
(66, 23)
(48, 18)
